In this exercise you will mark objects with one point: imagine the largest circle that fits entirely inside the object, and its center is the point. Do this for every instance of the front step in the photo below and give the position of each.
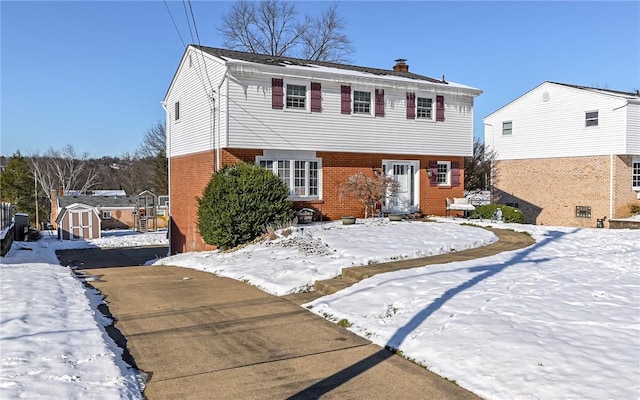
(330, 286)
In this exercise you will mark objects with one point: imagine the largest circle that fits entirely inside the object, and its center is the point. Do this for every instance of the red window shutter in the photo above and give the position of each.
(455, 174)
(433, 169)
(316, 97)
(345, 94)
(439, 108)
(379, 102)
(411, 105)
(277, 94)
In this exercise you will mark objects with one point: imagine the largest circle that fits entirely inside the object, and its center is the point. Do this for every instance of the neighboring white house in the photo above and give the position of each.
(313, 124)
(567, 154)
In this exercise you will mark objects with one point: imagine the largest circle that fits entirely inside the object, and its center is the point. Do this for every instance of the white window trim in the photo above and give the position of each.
(106, 214)
(510, 130)
(586, 120)
(372, 100)
(307, 100)
(433, 108)
(292, 157)
(179, 103)
(634, 160)
(448, 178)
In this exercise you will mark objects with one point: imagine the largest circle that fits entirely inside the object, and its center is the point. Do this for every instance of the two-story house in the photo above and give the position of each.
(313, 124)
(567, 155)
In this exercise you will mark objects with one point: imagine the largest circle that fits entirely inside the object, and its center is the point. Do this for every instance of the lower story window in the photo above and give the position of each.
(442, 177)
(106, 215)
(300, 176)
(635, 174)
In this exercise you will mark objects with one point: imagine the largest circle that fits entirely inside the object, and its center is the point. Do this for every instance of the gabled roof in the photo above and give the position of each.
(625, 95)
(74, 206)
(98, 201)
(600, 90)
(281, 61)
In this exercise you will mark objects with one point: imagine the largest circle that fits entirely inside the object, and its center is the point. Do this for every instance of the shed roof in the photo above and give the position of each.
(99, 201)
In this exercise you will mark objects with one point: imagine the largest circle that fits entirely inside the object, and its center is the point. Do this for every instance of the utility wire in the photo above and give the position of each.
(199, 44)
(174, 24)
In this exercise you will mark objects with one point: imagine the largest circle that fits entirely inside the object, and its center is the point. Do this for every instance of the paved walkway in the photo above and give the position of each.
(200, 336)
(508, 240)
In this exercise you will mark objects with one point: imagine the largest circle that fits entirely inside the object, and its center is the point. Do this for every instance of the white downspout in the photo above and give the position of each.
(217, 132)
(168, 151)
(611, 186)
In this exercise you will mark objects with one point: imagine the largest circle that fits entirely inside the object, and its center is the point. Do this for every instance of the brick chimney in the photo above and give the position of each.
(401, 65)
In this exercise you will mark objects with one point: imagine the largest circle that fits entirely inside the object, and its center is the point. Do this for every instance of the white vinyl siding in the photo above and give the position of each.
(193, 132)
(550, 122)
(254, 124)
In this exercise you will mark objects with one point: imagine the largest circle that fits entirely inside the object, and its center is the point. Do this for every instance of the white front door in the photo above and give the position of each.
(405, 175)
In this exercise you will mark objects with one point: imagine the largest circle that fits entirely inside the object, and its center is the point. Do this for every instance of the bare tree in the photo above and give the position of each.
(324, 40)
(478, 169)
(273, 27)
(370, 190)
(154, 141)
(63, 170)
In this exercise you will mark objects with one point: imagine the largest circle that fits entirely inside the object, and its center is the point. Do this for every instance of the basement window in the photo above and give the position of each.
(583, 211)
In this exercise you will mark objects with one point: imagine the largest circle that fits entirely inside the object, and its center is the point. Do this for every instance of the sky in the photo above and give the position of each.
(93, 73)
(524, 324)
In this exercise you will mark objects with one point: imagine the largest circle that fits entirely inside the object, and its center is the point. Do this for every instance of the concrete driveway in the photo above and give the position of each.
(199, 336)
(105, 258)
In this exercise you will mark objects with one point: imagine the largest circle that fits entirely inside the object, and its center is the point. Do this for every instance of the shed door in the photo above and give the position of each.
(81, 224)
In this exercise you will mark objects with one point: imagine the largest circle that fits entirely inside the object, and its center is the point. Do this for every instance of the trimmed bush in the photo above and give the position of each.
(238, 203)
(509, 214)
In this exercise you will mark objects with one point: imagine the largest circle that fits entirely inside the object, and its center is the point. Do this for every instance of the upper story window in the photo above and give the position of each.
(176, 113)
(361, 102)
(635, 174)
(424, 108)
(106, 215)
(591, 118)
(302, 177)
(297, 97)
(507, 128)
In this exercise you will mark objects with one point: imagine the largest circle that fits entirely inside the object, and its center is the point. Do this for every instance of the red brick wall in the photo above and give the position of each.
(189, 175)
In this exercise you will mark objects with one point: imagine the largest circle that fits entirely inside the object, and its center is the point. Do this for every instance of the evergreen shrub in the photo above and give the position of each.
(238, 203)
(509, 214)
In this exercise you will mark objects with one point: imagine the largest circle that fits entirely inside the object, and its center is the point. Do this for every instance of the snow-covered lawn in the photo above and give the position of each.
(52, 339)
(560, 319)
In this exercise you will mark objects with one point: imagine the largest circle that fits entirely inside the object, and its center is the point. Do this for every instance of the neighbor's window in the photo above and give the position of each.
(506, 128)
(443, 176)
(583, 211)
(300, 176)
(361, 102)
(635, 174)
(176, 113)
(106, 215)
(296, 96)
(424, 108)
(591, 118)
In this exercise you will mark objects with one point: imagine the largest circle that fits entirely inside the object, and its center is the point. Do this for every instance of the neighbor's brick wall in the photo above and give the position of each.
(623, 195)
(191, 173)
(548, 190)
